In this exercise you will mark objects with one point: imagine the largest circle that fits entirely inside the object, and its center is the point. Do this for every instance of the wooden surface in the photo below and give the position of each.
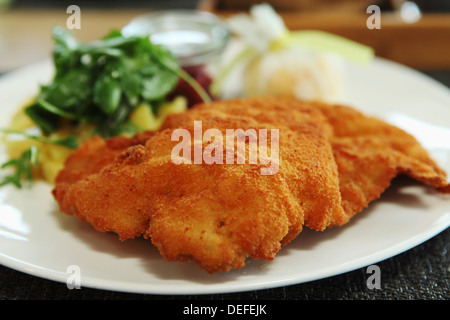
(25, 34)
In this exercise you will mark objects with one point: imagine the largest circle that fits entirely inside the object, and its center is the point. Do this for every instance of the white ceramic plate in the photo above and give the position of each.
(38, 240)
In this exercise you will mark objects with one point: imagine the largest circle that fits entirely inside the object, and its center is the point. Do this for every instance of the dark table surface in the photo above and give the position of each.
(421, 273)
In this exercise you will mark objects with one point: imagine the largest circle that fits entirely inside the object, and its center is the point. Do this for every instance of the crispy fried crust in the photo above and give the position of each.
(369, 153)
(89, 158)
(333, 162)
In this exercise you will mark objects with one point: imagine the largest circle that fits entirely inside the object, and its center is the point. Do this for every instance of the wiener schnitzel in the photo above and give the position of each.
(333, 161)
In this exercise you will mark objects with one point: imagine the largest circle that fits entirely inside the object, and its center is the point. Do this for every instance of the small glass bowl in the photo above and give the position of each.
(194, 37)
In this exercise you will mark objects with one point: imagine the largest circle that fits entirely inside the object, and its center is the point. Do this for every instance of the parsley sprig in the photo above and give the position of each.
(23, 168)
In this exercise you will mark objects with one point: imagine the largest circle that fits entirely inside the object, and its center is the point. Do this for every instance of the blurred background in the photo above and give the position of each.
(414, 33)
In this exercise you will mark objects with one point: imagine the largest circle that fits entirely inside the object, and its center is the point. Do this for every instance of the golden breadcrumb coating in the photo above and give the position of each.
(333, 161)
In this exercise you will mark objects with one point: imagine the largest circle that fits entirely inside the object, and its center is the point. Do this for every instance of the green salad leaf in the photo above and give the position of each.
(103, 81)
